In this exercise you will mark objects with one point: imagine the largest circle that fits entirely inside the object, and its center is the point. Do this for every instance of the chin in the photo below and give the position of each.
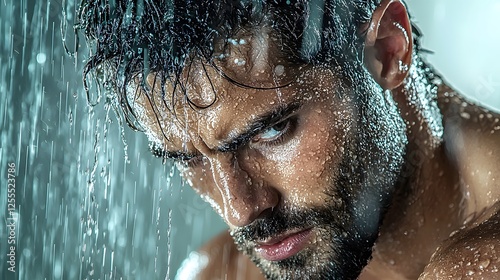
(332, 249)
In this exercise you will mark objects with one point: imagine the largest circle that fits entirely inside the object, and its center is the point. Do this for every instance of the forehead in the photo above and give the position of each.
(249, 76)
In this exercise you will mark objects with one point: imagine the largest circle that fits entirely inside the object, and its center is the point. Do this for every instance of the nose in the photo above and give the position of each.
(246, 196)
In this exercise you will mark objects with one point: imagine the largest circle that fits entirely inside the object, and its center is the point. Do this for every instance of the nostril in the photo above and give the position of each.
(266, 213)
(268, 201)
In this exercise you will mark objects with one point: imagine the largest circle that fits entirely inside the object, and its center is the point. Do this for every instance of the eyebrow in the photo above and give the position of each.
(258, 124)
(234, 143)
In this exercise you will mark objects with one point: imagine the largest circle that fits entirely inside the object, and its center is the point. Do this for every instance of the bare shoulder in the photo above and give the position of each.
(472, 141)
(218, 259)
(472, 253)
(469, 121)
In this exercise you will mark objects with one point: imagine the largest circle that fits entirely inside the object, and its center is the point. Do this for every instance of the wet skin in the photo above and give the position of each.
(279, 151)
(293, 160)
(257, 152)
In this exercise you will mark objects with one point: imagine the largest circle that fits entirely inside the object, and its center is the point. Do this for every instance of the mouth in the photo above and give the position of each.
(283, 246)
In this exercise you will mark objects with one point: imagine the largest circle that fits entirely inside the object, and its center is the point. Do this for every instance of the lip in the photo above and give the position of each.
(283, 246)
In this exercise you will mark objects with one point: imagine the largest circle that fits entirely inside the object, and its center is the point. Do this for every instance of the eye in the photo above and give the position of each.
(274, 134)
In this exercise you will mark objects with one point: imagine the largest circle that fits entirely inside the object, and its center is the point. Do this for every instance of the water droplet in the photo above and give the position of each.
(465, 115)
(41, 58)
(279, 70)
(403, 67)
(484, 264)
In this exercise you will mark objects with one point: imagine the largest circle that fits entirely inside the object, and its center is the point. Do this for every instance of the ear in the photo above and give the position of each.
(389, 44)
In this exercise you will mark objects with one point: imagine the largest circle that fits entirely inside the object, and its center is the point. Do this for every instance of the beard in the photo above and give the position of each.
(347, 225)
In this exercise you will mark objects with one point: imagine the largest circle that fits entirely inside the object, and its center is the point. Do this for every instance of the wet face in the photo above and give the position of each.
(299, 163)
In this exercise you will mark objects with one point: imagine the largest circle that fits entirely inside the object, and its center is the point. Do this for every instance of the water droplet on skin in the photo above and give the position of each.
(239, 62)
(279, 70)
(232, 41)
(484, 264)
(403, 67)
(258, 168)
(465, 115)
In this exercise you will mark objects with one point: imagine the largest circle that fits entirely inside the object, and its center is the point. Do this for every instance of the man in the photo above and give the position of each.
(314, 129)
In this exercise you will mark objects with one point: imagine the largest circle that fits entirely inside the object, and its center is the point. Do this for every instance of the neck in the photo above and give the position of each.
(423, 212)
(417, 100)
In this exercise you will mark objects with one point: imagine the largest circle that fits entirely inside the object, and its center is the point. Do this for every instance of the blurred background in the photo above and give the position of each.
(91, 201)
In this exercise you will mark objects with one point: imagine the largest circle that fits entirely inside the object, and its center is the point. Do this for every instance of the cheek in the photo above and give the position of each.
(313, 166)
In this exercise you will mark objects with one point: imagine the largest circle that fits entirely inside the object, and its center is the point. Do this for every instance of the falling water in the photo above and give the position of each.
(89, 202)
(84, 210)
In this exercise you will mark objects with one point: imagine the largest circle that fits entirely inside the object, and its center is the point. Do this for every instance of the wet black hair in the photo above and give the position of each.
(131, 38)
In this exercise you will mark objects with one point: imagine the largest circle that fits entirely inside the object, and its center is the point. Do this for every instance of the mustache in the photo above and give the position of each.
(286, 219)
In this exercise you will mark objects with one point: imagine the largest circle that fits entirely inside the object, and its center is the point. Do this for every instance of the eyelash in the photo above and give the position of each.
(187, 162)
(192, 162)
(156, 151)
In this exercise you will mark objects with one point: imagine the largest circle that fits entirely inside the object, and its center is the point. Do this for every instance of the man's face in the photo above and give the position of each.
(298, 163)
